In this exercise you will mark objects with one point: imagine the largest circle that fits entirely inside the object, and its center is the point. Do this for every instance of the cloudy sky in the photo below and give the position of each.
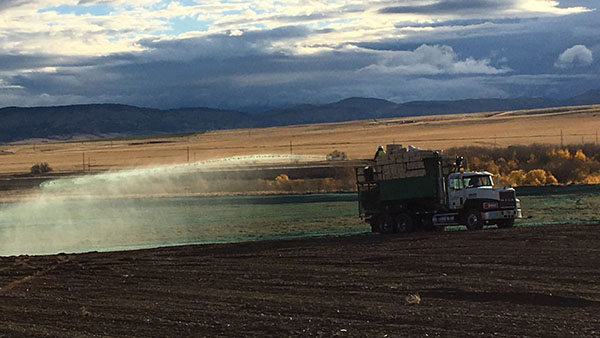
(258, 54)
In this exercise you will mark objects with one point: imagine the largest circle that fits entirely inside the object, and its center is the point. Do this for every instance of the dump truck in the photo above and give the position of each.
(405, 190)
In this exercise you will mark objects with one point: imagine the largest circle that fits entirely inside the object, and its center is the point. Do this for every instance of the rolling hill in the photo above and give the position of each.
(115, 120)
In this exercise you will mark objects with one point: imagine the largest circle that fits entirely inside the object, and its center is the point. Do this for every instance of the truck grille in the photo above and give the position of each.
(507, 199)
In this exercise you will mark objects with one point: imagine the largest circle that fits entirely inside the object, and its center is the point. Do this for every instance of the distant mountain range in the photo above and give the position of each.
(115, 120)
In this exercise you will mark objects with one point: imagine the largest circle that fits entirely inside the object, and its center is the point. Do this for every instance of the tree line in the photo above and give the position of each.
(536, 164)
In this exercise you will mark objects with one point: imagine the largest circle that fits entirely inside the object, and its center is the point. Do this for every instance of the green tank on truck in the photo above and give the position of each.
(406, 190)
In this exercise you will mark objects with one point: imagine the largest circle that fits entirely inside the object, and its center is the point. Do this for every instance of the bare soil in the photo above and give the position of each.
(529, 281)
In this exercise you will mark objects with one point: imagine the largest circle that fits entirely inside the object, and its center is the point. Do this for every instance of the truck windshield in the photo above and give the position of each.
(477, 181)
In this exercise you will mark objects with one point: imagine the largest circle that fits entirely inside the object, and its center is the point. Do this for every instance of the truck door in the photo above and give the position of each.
(456, 191)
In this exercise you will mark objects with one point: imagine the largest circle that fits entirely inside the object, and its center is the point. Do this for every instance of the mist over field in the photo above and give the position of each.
(152, 206)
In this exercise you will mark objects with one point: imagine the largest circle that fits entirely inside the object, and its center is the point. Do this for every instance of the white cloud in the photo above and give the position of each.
(576, 56)
(547, 7)
(430, 60)
(4, 85)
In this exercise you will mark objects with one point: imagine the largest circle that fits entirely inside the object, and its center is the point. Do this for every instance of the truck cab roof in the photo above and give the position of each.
(471, 174)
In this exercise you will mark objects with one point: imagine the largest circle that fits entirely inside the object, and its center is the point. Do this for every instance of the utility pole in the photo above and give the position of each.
(291, 148)
(188, 154)
(561, 139)
(83, 161)
(596, 136)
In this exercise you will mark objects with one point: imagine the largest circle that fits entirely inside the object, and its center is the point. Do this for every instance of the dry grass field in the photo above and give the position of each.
(358, 139)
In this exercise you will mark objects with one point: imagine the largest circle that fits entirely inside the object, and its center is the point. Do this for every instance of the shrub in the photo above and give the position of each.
(337, 156)
(40, 168)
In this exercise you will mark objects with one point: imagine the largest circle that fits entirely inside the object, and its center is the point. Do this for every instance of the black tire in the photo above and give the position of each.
(386, 224)
(473, 220)
(505, 224)
(403, 223)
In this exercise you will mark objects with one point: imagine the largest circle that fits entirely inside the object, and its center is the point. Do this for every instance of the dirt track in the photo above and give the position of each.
(534, 281)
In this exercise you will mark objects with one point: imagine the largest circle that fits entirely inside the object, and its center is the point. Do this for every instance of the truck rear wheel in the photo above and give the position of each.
(386, 224)
(473, 220)
(403, 223)
(509, 223)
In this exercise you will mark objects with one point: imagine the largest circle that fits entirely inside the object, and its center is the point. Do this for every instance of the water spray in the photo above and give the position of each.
(116, 209)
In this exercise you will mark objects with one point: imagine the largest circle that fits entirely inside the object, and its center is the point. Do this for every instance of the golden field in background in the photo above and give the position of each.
(358, 139)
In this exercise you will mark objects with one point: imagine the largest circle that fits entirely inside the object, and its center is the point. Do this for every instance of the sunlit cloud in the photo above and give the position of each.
(430, 60)
(576, 56)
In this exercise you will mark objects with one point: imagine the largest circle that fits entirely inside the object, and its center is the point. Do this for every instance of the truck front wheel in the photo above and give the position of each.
(404, 223)
(386, 224)
(473, 220)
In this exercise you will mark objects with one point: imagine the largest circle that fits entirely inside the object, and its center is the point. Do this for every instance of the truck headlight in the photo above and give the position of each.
(490, 205)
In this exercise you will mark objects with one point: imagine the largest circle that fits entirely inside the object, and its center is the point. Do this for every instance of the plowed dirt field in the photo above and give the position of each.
(540, 281)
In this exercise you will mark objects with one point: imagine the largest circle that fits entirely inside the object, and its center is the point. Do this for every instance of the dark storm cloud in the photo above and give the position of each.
(200, 71)
(451, 7)
(221, 45)
(529, 46)
(319, 16)
(461, 23)
(158, 78)
(304, 18)
(240, 71)
(18, 62)
(5, 4)
(219, 70)
(314, 16)
(270, 80)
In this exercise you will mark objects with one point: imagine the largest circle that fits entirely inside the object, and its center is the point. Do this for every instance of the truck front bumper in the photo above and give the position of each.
(502, 214)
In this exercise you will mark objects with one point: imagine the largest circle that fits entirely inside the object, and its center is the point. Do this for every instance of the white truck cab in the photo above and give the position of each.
(475, 191)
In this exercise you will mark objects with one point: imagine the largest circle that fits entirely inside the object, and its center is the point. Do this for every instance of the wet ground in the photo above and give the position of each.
(537, 281)
(52, 223)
